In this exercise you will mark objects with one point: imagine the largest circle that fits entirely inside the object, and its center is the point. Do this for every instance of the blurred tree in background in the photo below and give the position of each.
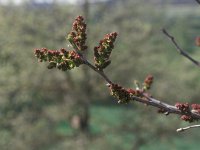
(38, 105)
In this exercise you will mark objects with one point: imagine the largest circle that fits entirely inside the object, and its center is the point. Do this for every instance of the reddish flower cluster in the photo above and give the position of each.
(135, 92)
(197, 41)
(62, 59)
(103, 51)
(120, 93)
(123, 95)
(196, 108)
(78, 36)
(188, 118)
(148, 82)
(183, 107)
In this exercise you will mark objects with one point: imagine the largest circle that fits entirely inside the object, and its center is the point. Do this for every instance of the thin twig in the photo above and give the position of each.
(150, 101)
(186, 128)
(98, 71)
(179, 49)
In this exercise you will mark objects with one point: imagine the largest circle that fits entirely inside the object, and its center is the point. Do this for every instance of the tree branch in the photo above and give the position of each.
(188, 112)
(179, 49)
(146, 100)
(162, 105)
(186, 128)
(167, 108)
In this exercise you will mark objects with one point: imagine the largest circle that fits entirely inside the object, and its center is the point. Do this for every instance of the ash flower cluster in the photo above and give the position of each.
(120, 93)
(103, 51)
(78, 36)
(123, 95)
(196, 108)
(148, 82)
(188, 118)
(197, 41)
(67, 60)
(61, 59)
(185, 108)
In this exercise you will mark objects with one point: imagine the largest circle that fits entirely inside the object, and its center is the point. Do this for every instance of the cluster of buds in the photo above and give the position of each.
(61, 59)
(197, 41)
(148, 82)
(195, 108)
(135, 92)
(78, 36)
(185, 108)
(120, 93)
(188, 118)
(103, 51)
(123, 95)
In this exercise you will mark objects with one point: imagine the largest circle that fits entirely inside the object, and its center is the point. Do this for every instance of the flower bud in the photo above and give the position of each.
(103, 50)
(197, 41)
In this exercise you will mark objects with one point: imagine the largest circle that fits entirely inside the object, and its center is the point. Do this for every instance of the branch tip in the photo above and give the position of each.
(179, 49)
(186, 128)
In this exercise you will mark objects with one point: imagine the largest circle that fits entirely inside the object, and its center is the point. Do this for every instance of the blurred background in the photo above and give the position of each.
(43, 109)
